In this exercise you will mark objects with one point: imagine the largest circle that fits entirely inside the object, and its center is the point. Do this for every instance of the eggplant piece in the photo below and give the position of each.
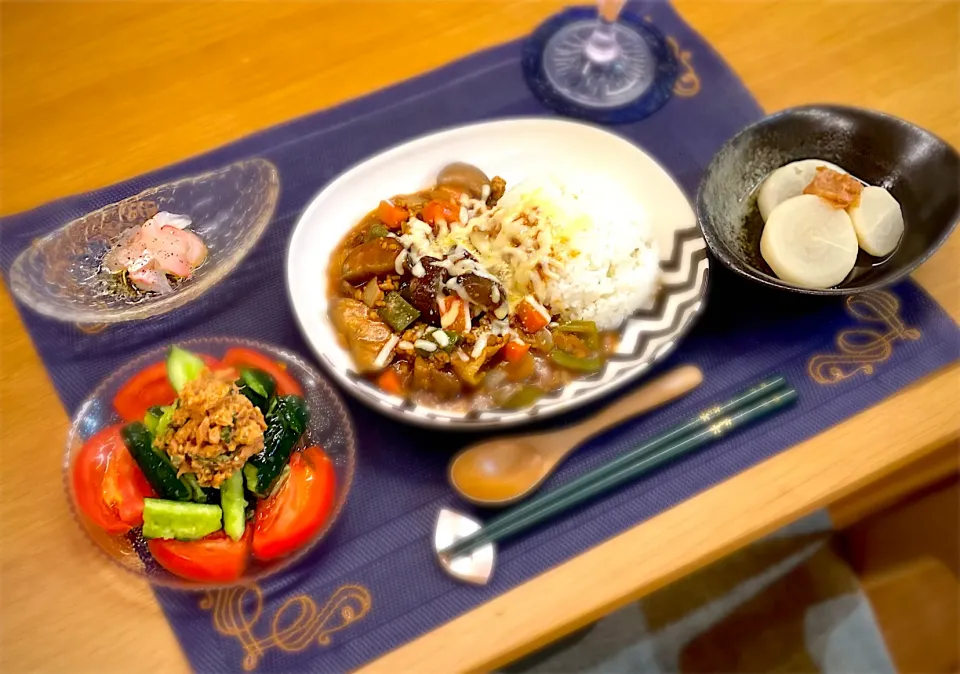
(463, 176)
(480, 290)
(365, 335)
(421, 292)
(427, 376)
(370, 259)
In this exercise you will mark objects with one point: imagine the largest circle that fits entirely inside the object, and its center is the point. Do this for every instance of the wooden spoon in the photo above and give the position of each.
(504, 470)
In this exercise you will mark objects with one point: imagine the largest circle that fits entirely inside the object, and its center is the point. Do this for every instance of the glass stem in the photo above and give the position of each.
(602, 47)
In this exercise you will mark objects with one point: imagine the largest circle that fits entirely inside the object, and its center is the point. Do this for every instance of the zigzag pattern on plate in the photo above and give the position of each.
(648, 336)
(648, 348)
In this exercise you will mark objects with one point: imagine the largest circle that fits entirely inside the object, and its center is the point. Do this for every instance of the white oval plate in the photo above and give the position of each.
(513, 149)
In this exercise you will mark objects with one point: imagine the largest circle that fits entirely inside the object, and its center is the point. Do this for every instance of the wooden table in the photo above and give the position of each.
(97, 92)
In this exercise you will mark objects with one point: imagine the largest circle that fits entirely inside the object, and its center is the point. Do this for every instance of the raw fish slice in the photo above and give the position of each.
(158, 247)
(151, 280)
(169, 249)
(138, 245)
(195, 251)
(165, 219)
(123, 254)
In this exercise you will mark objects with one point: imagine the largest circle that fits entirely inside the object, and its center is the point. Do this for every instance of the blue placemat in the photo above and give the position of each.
(374, 584)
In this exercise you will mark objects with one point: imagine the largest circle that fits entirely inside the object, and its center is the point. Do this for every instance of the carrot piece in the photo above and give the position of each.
(521, 370)
(531, 316)
(449, 211)
(514, 351)
(390, 382)
(459, 321)
(392, 216)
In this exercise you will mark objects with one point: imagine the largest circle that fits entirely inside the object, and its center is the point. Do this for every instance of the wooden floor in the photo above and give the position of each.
(903, 541)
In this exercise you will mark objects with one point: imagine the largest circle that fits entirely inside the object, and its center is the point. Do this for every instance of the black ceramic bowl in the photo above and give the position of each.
(920, 170)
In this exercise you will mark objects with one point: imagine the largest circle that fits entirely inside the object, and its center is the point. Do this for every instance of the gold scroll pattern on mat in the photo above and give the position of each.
(688, 82)
(860, 349)
(297, 624)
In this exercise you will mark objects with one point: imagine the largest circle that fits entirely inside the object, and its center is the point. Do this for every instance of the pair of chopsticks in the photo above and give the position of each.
(759, 401)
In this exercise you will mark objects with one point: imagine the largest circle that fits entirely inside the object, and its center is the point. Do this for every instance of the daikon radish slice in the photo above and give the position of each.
(808, 243)
(787, 182)
(877, 221)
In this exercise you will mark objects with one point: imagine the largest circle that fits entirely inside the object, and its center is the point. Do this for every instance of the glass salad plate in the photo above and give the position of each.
(329, 426)
(60, 275)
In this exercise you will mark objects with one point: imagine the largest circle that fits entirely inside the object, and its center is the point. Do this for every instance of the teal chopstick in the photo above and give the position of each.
(696, 423)
(630, 466)
(702, 420)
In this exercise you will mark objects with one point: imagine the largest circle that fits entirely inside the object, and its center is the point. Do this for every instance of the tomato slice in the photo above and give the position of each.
(211, 362)
(147, 388)
(216, 558)
(109, 485)
(240, 357)
(296, 512)
(142, 391)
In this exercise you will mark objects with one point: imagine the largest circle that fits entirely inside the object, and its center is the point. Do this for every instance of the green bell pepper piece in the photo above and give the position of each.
(575, 363)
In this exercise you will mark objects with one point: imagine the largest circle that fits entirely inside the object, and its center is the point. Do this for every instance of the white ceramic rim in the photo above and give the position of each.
(687, 309)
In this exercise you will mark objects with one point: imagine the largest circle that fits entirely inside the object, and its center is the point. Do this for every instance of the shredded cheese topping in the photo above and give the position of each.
(424, 345)
(480, 345)
(385, 352)
(518, 243)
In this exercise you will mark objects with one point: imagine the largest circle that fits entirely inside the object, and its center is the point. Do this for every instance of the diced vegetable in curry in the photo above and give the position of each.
(442, 330)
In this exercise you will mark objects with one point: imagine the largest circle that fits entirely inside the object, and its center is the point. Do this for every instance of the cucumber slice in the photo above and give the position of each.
(164, 421)
(258, 386)
(250, 476)
(183, 521)
(183, 367)
(155, 465)
(197, 494)
(152, 418)
(233, 505)
(286, 422)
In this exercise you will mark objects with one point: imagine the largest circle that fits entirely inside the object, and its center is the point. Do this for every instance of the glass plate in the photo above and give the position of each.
(59, 275)
(330, 427)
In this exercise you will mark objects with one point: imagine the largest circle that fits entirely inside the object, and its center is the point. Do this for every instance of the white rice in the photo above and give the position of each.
(584, 253)
(604, 262)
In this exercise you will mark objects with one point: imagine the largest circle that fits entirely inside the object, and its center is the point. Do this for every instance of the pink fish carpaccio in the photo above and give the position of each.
(151, 280)
(154, 249)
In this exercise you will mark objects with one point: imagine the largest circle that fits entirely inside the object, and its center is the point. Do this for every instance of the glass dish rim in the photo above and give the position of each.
(153, 306)
(145, 358)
